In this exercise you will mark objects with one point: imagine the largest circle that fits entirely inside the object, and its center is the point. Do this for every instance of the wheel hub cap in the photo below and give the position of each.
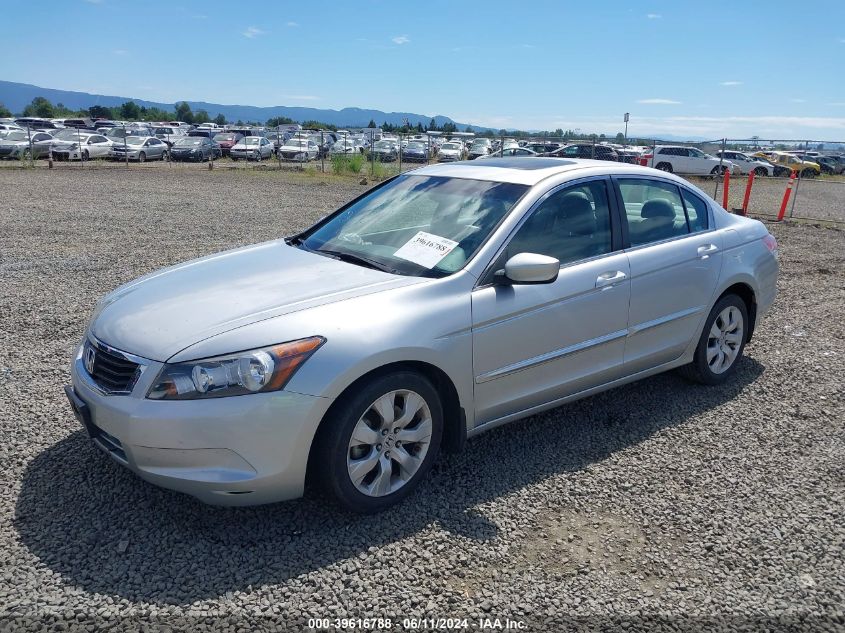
(724, 340)
(389, 443)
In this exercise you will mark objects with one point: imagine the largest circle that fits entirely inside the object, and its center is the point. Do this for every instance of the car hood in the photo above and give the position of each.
(161, 314)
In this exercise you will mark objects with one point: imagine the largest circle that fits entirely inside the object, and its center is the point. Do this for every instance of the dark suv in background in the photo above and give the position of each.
(587, 150)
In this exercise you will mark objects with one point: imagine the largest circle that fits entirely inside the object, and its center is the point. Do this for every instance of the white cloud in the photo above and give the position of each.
(529, 46)
(94, 1)
(731, 83)
(659, 102)
(252, 32)
(292, 24)
(836, 103)
(301, 97)
(653, 16)
(120, 51)
(400, 39)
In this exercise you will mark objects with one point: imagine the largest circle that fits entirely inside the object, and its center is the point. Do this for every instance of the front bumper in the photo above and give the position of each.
(241, 450)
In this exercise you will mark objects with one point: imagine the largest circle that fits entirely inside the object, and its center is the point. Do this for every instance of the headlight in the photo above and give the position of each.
(254, 371)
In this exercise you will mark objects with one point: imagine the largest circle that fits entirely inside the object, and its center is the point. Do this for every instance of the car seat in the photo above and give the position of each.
(658, 221)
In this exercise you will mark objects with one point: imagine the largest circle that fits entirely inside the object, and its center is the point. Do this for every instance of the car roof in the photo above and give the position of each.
(529, 170)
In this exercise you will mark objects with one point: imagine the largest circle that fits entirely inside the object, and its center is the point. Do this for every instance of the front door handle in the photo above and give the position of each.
(707, 250)
(610, 278)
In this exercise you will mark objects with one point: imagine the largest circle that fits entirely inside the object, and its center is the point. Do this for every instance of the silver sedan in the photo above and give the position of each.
(438, 305)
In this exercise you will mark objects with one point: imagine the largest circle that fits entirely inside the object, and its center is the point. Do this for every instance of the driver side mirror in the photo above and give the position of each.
(529, 268)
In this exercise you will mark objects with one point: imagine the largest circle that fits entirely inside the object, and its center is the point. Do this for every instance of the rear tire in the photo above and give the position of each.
(808, 173)
(378, 442)
(721, 343)
(85, 155)
(667, 167)
(718, 171)
(761, 171)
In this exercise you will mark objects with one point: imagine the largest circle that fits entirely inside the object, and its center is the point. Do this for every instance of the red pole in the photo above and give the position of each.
(726, 185)
(747, 192)
(786, 193)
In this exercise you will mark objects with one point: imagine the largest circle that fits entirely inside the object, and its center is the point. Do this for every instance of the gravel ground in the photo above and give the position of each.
(657, 506)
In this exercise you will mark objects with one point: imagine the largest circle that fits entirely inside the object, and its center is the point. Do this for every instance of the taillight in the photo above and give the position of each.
(648, 155)
(771, 243)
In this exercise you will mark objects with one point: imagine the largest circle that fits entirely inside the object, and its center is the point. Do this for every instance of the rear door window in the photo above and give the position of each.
(653, 209)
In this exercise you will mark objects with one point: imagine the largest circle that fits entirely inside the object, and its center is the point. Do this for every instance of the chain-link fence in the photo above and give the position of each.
(745, 175)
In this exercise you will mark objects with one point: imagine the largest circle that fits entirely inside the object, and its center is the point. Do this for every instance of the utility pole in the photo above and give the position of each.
(626, 128)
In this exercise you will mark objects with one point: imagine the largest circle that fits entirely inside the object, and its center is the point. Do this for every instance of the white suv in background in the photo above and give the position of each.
(687, 161)
(747, 164)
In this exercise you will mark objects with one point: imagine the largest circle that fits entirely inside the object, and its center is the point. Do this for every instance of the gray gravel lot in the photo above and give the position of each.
(661, 505)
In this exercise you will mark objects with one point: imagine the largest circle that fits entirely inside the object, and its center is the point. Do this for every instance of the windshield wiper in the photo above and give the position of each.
(352, 258)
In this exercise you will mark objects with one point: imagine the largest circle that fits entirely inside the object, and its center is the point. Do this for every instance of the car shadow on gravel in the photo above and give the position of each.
(106, 531)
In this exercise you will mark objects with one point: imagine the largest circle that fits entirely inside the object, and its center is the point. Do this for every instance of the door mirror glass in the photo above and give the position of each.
(530, 268)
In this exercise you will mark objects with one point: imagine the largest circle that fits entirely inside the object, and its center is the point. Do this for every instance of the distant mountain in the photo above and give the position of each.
(16, 96)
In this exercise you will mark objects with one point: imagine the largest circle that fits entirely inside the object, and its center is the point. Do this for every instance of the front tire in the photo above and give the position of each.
(721, 344)
(142, 157)
(379, 441)
(761, 171)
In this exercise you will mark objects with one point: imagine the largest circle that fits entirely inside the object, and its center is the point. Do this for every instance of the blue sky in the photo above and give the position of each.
(706, 69)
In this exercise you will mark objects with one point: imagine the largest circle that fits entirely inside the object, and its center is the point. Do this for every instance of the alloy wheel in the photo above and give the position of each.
(724, 340)
(389, 443)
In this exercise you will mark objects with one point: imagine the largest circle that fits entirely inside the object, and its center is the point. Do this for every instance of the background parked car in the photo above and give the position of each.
(687, 160)
(168, 134)
(512, 152)
(16, 144)
(779, 170)
(345, 146)
(807, 169)
(193, 148)
(415, 152)
(384, 151)
(587, 150)
(299, 149)
(746, 164)
(451, 152)
(82, 146)
(830, 166)
(140, 148)
(251, 148)
(226, 140)
(480, 147)
(543, 148)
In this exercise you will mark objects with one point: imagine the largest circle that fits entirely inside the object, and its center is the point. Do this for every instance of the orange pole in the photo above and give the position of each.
(786, 194)
(725, 187)
(747, 192)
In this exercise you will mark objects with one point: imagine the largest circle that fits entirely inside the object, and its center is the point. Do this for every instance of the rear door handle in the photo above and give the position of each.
(610, 278)
(707, 250)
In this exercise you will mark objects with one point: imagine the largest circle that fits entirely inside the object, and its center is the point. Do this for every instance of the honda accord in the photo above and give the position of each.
(440, 304)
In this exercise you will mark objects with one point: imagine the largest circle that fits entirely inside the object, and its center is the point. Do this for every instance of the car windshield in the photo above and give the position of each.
(427, 226)
(297, 143)
(163, 130)
(135, 140)
(450, 146)
(383, 145)
(416, 146)
(224, 137)
(250, 140)
(14, 135)
(189, 141)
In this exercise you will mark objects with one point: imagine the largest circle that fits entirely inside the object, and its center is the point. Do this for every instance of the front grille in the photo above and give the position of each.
(110, 370)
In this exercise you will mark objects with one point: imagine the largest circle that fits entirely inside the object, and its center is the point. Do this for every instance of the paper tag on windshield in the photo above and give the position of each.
(426, 249)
